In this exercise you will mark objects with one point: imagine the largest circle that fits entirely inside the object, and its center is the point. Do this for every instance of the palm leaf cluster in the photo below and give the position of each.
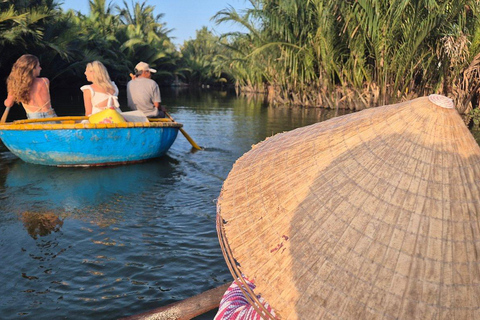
(119, 36)
(354, 52)
(202, 59)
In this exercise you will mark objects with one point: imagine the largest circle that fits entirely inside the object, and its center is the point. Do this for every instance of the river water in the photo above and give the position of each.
(105, 243)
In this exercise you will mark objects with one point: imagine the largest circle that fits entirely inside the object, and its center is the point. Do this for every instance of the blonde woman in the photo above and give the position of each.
(24, 86)
(102, 93)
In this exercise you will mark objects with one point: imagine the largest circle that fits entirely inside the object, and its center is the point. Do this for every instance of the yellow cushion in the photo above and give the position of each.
(106, 116)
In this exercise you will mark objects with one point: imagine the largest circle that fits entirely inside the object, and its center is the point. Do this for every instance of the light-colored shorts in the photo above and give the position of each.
(40, 115)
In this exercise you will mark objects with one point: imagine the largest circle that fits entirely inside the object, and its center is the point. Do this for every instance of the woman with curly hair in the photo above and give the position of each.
(24, 86)
(102, 93)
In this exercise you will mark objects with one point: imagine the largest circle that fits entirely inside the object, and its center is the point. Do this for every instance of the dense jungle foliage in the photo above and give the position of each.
(330, 53)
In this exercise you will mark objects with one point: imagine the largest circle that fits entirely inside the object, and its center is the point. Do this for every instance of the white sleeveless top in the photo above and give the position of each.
(99, 97)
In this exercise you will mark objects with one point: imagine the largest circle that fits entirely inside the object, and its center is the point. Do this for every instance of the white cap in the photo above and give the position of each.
(142, 66)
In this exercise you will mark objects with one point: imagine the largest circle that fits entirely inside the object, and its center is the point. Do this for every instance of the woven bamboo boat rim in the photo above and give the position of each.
(372, 215)
(74, 123)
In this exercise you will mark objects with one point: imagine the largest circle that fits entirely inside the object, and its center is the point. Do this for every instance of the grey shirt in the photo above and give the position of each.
(141, 94)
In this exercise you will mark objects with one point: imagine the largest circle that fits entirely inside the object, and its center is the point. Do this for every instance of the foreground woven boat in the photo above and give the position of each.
(373, 215)
(64, 141)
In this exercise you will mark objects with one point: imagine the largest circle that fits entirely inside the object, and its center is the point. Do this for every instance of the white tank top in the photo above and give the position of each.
(99, 97)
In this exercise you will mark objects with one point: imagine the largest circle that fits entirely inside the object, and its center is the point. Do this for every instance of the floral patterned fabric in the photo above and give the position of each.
(234, 305)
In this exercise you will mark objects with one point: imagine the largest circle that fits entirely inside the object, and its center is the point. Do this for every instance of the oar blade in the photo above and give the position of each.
(186, 135)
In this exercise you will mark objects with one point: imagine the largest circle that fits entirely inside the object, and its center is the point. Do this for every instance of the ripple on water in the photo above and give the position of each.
(134, 237)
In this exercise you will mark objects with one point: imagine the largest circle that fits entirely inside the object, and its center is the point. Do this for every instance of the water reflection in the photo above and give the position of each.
(133, 237)
(40, 223)
(75, 189)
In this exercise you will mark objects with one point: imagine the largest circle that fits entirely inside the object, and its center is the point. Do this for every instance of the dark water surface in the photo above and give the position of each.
(104, 243)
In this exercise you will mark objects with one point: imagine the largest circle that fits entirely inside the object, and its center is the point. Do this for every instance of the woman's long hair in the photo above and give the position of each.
(100, 76)
(20, 80)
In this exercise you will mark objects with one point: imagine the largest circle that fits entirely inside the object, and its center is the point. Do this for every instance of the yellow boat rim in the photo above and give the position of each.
(60, 123)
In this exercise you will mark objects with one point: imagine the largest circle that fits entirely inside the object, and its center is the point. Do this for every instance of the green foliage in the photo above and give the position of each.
(303, 50)
(143, 37)
(66, 41)
(202, 59)
(378, 49)
(474, 115)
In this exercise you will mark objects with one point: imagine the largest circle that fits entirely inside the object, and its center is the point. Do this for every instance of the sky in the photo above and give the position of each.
(184, 16)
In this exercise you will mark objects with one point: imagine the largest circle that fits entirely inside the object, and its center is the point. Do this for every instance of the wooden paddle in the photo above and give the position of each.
(193, 143)
(5, 115)
(185, 309)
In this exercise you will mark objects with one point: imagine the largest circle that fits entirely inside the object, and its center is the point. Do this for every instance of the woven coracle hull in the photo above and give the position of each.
(372, 215)
(88, 144)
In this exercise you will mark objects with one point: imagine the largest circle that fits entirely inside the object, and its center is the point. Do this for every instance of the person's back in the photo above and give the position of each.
(26, 87)
(143, 93)
(102, 93)
(39, 97)
(101, 99)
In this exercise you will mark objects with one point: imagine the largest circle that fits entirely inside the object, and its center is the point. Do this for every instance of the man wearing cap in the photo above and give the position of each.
(143, 93)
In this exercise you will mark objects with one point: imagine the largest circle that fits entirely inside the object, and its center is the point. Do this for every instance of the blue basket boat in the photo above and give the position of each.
(65, 141)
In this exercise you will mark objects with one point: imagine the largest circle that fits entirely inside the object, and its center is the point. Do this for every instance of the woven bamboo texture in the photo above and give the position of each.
(372, 215)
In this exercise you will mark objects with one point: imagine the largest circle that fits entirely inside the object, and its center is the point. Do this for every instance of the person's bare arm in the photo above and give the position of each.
(87, 101)
(159, 106)
(47, 91)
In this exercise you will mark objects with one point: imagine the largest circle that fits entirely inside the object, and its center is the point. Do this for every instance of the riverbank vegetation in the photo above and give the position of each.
(358, 53)
(119, 36)
(348, 54)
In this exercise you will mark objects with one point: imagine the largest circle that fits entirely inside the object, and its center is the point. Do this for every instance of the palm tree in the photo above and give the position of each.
(141, 15)
(22, 27)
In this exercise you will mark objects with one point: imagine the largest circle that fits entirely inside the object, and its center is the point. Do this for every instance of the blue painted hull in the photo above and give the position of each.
(88, 146)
